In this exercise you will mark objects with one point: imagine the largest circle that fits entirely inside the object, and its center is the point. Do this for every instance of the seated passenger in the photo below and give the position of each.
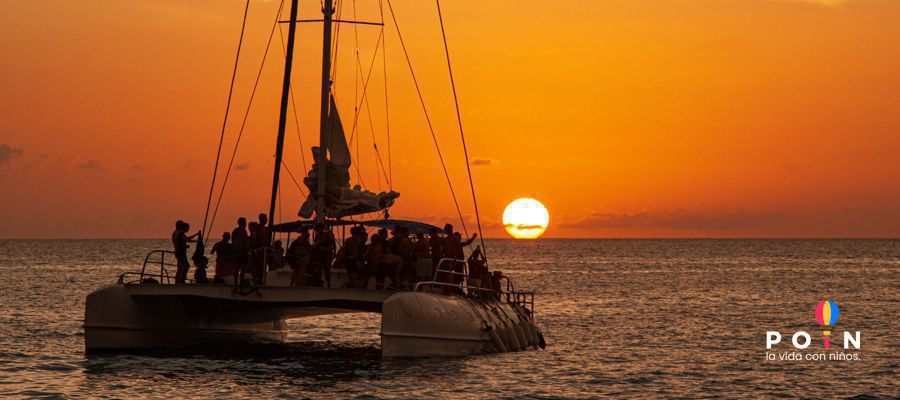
(298, 257)
(391, 262)
(348, 256)
(422, 253)
(276, 256)
(374, 252)
(362, 281)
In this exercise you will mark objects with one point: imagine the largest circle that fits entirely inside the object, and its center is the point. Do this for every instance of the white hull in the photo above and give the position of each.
(127, 317)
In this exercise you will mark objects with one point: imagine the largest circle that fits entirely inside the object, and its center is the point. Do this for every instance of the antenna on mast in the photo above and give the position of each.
(322, 156)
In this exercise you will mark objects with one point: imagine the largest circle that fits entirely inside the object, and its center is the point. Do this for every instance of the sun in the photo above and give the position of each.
(526, 218)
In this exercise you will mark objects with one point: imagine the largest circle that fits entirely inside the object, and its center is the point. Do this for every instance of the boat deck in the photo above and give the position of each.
(283, 302)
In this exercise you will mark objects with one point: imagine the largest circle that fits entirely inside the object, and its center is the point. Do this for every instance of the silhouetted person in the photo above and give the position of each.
(225, 265)
(323, 252)
(453, 248)
(364, 271)
(276, 258)
(478, 271)
(374, 253)
(435, 246)
(423, 257)
(298, 257)
(259, 240)
(240, 246)
(349, 256)
(200, 261)
(180, 241)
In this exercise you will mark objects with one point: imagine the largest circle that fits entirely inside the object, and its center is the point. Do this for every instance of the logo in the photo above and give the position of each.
(827, 314)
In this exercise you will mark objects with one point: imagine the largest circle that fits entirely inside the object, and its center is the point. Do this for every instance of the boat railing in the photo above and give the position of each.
(525, 299)
(453, 261)
(153, 259)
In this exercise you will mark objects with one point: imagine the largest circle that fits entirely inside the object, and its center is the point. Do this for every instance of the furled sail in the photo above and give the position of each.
(340, 199)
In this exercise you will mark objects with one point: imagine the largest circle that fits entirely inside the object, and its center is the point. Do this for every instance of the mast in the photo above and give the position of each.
(322, 159)
(282, 117)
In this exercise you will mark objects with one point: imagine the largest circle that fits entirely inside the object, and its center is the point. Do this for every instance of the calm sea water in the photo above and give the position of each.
(623, 318)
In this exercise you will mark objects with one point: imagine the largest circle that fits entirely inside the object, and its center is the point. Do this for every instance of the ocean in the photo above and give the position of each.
(622, 319)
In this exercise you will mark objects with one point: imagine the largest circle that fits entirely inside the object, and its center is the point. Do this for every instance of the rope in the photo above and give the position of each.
(427, 118)
(358, 107)
(293, 102)
(374, 140)
(237, 58)
(462, 136)
(291, 174)
(365, 88)
(246, 114)
(372, 130)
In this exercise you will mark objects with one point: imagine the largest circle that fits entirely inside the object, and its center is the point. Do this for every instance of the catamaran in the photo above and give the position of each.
(450, 314)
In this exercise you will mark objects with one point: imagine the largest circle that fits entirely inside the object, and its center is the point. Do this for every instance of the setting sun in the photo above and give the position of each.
(525, 218)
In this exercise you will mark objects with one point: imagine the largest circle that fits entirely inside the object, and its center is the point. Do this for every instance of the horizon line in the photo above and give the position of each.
(551, 238)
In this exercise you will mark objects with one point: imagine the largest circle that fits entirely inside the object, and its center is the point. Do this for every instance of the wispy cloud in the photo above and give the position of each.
(678, 219)
(827, 3)
(190, 164)
(92, 165)
(242, 166)
(483, 162)
(7, 153)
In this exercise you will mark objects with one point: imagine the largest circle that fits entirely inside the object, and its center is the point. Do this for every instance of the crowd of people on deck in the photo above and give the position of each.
(404, 257)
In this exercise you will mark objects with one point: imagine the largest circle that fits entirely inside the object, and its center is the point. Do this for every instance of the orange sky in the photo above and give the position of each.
(627, 118)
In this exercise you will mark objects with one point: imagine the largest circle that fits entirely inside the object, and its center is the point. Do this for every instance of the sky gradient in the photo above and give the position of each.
(626, 118)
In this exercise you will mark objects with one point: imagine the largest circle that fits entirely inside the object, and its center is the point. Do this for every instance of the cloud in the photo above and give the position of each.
(189, 164)
(827, 3)
(483, 162)
(8, 153)
(524, 227)
(242, 166)
(679, 220)
(92, 165)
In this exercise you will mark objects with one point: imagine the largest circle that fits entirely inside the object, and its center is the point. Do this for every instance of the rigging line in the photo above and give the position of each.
(374, 142)
(364, 96)
(246, 114)
(387, 113)
(335, 46)
(293, 103)
(237, 58)
(280, 213)
(366, 85)
(462, 136)
(297, 124)
(371, 127)
(291, 174)
(427, 118)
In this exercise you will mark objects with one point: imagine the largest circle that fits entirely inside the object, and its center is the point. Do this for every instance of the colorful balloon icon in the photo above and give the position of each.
(827, 314)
